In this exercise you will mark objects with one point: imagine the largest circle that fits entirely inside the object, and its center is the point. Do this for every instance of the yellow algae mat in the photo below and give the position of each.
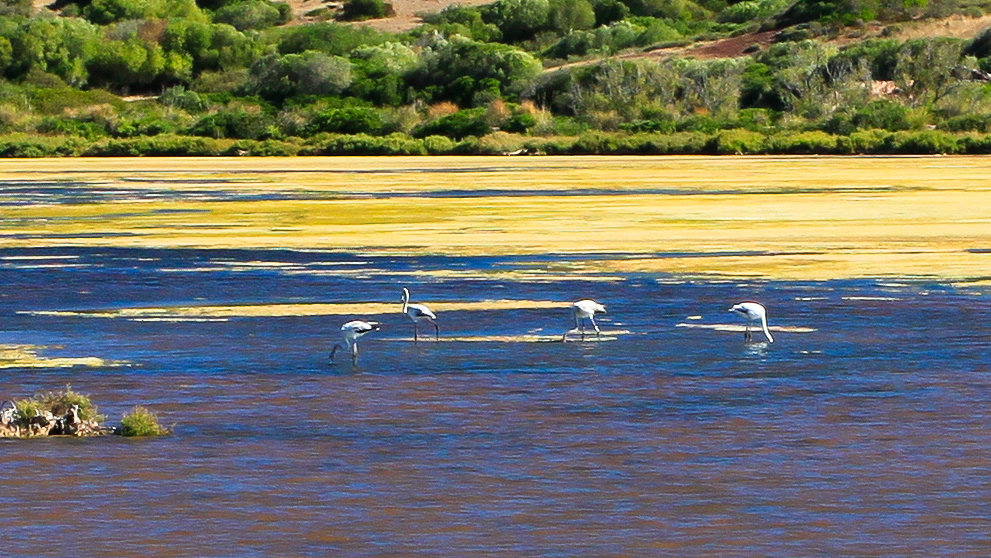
(27, 356)
(769, 217)
(208, 312)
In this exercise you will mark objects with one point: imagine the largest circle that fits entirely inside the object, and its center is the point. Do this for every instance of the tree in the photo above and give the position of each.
(925, 68)
(518, 20)
(569, 15)
(712, 86)
(456, 69)
(277, 77)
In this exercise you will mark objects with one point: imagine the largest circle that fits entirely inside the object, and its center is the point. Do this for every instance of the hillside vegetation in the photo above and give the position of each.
(157, 77)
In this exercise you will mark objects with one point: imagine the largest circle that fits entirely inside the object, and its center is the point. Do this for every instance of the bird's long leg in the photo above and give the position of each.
(354, 354)
(564, 338)
(436, 328)
(415, 338)
(583, 329)
(592, 319)
(746, 334)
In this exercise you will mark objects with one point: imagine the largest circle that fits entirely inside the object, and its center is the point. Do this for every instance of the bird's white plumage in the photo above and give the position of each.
(350, 333)
(417, 312)
(753, 312)
(584, 309)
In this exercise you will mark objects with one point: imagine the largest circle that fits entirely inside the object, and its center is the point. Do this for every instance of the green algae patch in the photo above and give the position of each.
(798, 218)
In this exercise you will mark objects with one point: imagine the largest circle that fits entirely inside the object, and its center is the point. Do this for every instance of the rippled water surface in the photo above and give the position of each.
(864, 429)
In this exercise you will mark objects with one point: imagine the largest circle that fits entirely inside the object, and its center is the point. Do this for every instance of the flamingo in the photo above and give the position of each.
(417, 312)
(351, 332)
(584, 309)
(753, 311)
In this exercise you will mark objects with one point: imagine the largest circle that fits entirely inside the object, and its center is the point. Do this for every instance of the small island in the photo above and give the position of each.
(68, 413)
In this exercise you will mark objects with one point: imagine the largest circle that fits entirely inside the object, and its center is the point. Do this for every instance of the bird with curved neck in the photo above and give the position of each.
(584, 309)
(753, 312)
(350, 333)
(417, 312)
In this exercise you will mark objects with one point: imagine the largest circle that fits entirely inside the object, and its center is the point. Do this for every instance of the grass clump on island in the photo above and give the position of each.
(69, 413)
(141, 422)
(57, 403)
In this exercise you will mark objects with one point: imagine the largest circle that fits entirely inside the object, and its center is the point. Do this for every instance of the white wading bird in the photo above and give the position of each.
(584, 309)
(753, 311)
(417, 312)
(351, 332)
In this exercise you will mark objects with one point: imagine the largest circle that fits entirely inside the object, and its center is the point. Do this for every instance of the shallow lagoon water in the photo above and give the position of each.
(863, 430)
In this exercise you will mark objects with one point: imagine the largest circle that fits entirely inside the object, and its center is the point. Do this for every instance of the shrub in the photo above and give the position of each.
(349, 120)
(737, 142)
(71, 127)
(236, 123)
(363, 144)
(863, 142)
(25, 145)
(925, 142)
(975, 144)
(498, 143)
(804, 143)
(179, 97)
(749, 10)
(162, 145)
(459, 125)
(358, 10)
(438, 145)
(967, 122)
(141, 422)
(250, 14)
(265, 148)
(882, 114)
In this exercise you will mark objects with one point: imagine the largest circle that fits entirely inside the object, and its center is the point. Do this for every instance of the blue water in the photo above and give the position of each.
(862, 430)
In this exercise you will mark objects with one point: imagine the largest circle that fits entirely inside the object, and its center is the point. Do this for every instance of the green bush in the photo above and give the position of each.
(349, 120)
(438, 145)
(729, 142)
(358, 10)
(265, 148)
(461, 124)
(56, 101)
(235, 123)
(804, 143)
(679, 143)
(967, 123)
(924, 142)
(750, 10)
(141, 422)
(250, 14)
(363, 144)
(863, 142)
(974, 144)
(181, 98)
(882, 114)
(33, 145)
(71, 127)
(162, 145)
(656, 125)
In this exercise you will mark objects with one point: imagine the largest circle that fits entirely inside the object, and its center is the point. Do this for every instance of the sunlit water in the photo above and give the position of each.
(863, 430)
